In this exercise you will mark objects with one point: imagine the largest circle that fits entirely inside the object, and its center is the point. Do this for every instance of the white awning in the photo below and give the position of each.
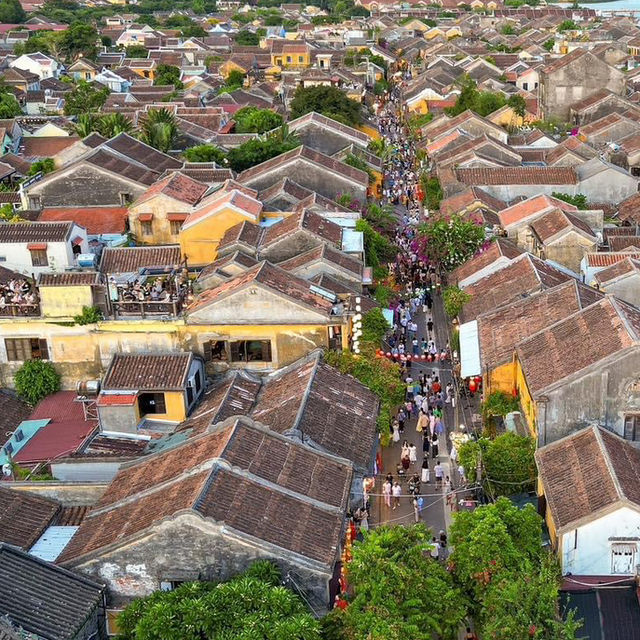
(469, 350)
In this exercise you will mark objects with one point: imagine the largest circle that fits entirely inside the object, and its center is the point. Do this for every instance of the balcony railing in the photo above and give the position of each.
(146, 308)
(19, 310)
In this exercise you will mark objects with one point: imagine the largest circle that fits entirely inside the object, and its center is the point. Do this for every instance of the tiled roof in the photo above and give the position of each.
(327, 253)
(315, 157)
(535, 205)
(272, 277)
(96, 220)
(43, 599)
(497, 249)
(142, 153)
(291, 495)
(68, 279)
(331, 408)
(307, 221)
(459, 201)
(12, 410)
(518, 176)
(624, 243)
(586, 472)
(177, 186)
(523, 276)
(45, 146)
(35, 232)
(24, 517)
(629, 209)
(624, 267)
(607, 258)
(565, 60)
(222, 199)
(132, 259)
(327, 123)
(114, 163)
(499, 331)
(550, 224)
(148, 372)
(244, 232)
(577, 342)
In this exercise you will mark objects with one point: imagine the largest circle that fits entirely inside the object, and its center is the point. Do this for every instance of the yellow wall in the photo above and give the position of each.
(229, 66)
(176, 411)
(145, 73)
(159, 206)
(371, 131)
(526, 401)
(502, 378)
(84, 352)
(199, 243)
(297, 60)
(64, 302)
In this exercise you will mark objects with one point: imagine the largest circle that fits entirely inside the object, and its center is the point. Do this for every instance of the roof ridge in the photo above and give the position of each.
(618, 306)
(605, 453)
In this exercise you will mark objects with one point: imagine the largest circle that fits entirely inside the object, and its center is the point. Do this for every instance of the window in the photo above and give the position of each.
(215, 350)
(289, 59)
(8, 448)
(170, 585)
(147, 227)
(300, 59)
(39, 257)
(632, 427)
(622, 557)
(525, 86)
(189, 395)
(152, 403)
(34, 202)
(175, 227)
(21, 349)
(125, 199)
(19, 435)
(197, 381)
(250, 351)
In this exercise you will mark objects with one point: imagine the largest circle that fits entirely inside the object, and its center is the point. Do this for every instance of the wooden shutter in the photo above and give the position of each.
(161, 406)
(630, 427)
(44, 349)
(206, 347)
(235, 351)
(266, 350)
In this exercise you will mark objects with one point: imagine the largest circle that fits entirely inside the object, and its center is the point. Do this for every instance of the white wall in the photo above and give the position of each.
(593, 553)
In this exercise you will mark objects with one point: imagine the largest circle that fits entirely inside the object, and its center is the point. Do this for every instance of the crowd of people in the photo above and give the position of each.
(18, 295)
(160, 289)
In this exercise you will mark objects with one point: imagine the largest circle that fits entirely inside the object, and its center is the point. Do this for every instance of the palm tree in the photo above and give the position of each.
(86, 124)
(159, 129)
(112, 124)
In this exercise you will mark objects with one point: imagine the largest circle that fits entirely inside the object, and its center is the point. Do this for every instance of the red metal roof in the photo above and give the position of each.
(96, 220)
(117, 399)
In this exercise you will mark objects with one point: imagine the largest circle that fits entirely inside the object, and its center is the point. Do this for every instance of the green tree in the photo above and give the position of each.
(84, 98)
(255, 151)
(329, 101)
(254, 120)
(450, 242)
(508, 465)
(168, 74)
(159, 129)
(482, 102)
(234, 80)
(579, 200)
(46, 165)
(86, 124)
(136, 51)
(433, 192)
(548, 44)
(113, 124)
(508, 30)
(493, 539)
(11, 12)
(359, 163)
(249, 606)
(399, 591)
(80, 39)
(518, 104)
(9, 107)
(204, 153)
(568, 25)
(454, 300)
(36, 379)
(374, 327)
(89, 315)
(378, 249)
(247, 39)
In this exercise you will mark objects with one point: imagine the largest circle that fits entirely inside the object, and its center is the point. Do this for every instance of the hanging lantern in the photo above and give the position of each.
(388, 354)
(408, 356)
(429, 358)
(473, 385)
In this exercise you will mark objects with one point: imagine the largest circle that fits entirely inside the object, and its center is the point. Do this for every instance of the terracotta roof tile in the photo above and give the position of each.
(608, 258)
(307, 221)
(245, 233)
(220, 200)
(96, 220)
(624, 267)
(132, 259)
(524, 276)
(501, 330)
(68, 279)
(24, 517)
(518, 176)
(499, 248)
(588, 471)
(533, 206)
(177, 186)
(575, 343)
(469, 196)
(550, 224)
(326, 253)
(147, 372)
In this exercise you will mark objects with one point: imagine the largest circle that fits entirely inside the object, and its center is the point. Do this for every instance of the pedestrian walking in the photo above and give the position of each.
(435, 548)
(417, 507)
(396, 431)
(396, 491)
(425, 470)
(413, 453)
(386, 492)
(434, 446)
(438, 471)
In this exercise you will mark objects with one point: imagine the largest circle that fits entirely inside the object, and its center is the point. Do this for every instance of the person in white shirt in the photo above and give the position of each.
(396, 491)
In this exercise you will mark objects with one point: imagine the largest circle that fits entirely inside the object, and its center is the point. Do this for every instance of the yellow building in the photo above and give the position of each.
(157, 215)
(64, 295)
(208, 222)
(139, 389)
(290, 55)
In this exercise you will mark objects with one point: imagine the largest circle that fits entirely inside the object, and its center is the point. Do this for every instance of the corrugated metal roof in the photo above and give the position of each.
(52, 542)
(28, 428)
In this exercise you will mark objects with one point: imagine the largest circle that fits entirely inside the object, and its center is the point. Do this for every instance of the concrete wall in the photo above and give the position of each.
(590, 553)
(159, 205)
(322, 139)
(576, 81)
(69, 494)
(627, 289)
(602, 395)
(64, 302)
(568, 250)
(608, 187)
(123, 419)
(190, 547)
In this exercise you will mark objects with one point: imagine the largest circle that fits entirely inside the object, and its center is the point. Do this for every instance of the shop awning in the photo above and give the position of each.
(37, 246)
(77, 240)
(177, 217)
(145, 217)
(469, 350)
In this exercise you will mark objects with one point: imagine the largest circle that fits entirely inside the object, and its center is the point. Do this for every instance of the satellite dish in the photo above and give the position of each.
(6, 469)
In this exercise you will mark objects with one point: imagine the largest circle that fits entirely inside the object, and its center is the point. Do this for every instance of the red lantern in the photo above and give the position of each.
(473, 386)
(423, 357)
(429, 358)
(388, 354)
(408, 356)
